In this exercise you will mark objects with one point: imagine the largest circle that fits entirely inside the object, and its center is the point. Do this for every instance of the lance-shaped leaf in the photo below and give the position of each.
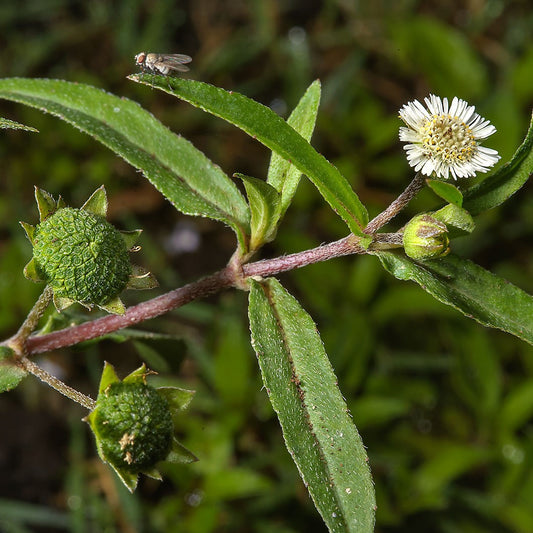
(494, 190)
(263, 124)
(282, 174)
(318, 430)
(183, 174)
(467, 287)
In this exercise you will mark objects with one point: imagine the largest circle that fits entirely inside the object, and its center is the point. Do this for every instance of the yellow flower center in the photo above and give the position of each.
(449, 139)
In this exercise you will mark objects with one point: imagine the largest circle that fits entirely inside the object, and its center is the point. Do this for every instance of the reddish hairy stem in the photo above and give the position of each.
(133, 315)
(407, 195)
(222, 279)
(234, 275)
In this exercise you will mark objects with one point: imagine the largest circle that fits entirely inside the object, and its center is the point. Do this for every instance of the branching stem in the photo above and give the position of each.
(18, 341)
(216, 282)
(395, 207)
(57, 384)
(231, 276)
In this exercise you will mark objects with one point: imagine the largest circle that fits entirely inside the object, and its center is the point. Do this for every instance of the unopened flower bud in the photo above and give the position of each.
(425, 237)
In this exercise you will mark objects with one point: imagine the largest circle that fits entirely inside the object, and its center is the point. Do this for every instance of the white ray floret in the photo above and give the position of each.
(444, 139)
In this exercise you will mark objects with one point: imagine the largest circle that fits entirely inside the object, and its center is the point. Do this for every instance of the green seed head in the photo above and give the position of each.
(425, 237)
(133, 425)
(82, 256)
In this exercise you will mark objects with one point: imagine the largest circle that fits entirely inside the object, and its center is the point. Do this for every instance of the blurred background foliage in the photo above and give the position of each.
(444, 405)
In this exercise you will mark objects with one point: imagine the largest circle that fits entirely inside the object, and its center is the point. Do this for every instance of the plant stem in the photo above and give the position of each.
(231, 276)
(407, 195)
(216, 282)
(57, 384)
(133, 315)
(18, 341)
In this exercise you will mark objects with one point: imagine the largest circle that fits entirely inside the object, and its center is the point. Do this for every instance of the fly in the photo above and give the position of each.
(162, 63)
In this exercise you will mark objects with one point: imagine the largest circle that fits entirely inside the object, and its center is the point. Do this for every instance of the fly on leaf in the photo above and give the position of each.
(162, 63)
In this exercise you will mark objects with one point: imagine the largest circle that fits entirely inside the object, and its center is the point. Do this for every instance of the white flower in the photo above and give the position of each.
(444, 139)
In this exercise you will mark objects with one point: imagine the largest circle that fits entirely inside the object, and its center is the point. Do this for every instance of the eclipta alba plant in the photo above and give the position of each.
(83, 258)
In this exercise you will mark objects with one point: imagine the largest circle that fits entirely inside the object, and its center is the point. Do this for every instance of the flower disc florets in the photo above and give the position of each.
(444, 139)
(81, 256)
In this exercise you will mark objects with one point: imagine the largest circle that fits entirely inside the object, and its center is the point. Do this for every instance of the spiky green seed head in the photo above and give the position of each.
(82, 256)
(133, 425)
(425, 237)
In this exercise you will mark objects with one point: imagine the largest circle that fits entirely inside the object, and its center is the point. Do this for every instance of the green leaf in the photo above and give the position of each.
(177, 399)
(130, 479)
(131, 237)
(455, 216)
(10, 373)
(446, 191)
(233, 482)
(19, 517)
(31, 273)
(6, 124)
(161, 352)
(516, 409)
(183, 174)
(501, 185)
(60, 302)
(472, 290)
(29, 229)
(141, 279)
(265, 210)
(319, 433)
(446, 59)
(263, 124)
(138, 375)
(282, 174)
(152, 356)
(114, 306)
(449, 462)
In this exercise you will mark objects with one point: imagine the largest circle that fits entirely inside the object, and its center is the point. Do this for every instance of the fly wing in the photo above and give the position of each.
(173, 62)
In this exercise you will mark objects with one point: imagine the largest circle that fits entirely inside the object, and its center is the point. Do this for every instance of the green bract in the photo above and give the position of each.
(133, 425)
(81, 255)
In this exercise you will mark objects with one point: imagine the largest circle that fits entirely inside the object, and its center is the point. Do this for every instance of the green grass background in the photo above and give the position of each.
(444, 406)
